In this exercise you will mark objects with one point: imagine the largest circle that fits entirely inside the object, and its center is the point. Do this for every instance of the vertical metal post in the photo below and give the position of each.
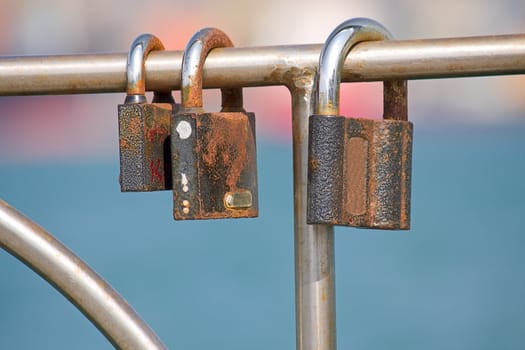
(314, 244)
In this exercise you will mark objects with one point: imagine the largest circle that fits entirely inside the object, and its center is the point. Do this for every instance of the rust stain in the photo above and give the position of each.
(135, 125)
(224, 154)
(314, 163)
(192, 94)
(356, 152)
(156, 134)
(210, 38)
(225, 146)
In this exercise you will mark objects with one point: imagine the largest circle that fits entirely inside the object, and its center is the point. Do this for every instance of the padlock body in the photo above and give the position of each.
(214, 165)
(359, 172)
(145, 161)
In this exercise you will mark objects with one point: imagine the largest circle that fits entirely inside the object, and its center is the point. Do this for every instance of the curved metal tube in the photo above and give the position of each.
(195, 53)
(340, 42)
(135, 66)
(95, 298)
(333, 55)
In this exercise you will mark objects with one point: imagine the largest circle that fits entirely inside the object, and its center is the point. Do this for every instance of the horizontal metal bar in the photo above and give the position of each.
(272, 65)
(100, 303)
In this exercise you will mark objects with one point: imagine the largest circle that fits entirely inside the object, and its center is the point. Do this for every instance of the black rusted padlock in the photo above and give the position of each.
(214, 165)
(144, 128)
(359, 170)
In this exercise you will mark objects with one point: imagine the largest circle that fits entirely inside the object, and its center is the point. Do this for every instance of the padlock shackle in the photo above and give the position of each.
(195, 53)
(135, 67)
(395, 100)
(333, 54)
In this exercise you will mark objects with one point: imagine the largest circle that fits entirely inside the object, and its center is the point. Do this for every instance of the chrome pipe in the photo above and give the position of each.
(261, 66)
(59, 266)
(314, 244)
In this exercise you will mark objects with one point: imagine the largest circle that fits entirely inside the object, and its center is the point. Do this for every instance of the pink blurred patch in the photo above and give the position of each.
(273, 112)
(362, 100)
(161, 24)
(47, 128)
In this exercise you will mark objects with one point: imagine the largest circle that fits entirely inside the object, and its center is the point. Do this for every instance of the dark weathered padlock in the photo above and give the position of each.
(359, 169)
(144, 128)
(214, 165)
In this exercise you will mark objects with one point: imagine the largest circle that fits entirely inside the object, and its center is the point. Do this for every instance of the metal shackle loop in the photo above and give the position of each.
(199, 46)
(395, 100)
(136, 80)
(332, 58)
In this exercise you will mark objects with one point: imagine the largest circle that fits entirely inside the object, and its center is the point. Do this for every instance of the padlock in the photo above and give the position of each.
(359, 170)
(214, 165)
(144, 128)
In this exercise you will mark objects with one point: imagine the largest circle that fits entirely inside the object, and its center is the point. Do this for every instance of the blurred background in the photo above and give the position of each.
(454, 281)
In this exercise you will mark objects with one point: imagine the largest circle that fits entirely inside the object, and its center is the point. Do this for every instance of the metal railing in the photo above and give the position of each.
(292, 66)
(272, 65)
(94, 297)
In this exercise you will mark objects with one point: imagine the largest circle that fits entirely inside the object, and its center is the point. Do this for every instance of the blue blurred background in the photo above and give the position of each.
(454, 281)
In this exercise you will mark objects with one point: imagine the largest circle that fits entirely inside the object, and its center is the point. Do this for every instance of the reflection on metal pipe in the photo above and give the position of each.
(136, 81)
(314, 244)
(258, 66)
(332, 57)
(100, 303)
